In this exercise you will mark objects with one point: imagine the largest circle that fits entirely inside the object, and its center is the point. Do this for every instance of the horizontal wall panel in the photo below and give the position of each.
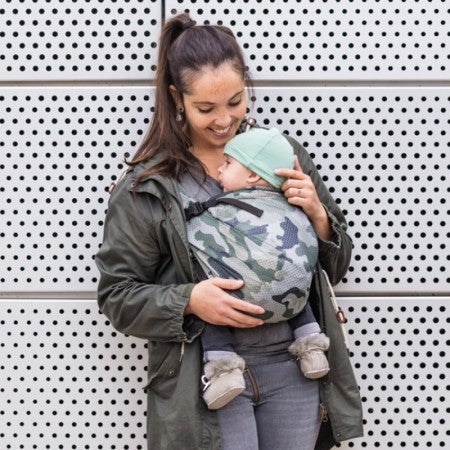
(54, 40)
(336, 39)
(66, 40)
(383, 153)
(399, 350)
(60, 149)
(67, 377)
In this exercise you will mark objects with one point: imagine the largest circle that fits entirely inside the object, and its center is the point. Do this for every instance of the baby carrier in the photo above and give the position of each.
(255, 235)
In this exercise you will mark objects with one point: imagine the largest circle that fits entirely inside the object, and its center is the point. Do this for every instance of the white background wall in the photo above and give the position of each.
(363, 85)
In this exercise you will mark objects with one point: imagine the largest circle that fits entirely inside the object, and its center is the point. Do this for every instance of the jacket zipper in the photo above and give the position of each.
(323, 413)
(256, 393)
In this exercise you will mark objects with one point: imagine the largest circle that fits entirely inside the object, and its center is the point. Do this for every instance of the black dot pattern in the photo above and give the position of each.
(399, 352)
(60, 149)
(66, 377)
(83, 39)
(382, 153)
(335, 39)
(68, 380)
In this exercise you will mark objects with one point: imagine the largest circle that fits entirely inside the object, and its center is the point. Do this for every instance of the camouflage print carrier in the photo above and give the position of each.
(274, 254)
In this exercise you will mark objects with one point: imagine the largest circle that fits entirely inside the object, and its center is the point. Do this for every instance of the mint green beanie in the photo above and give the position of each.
(262, 151)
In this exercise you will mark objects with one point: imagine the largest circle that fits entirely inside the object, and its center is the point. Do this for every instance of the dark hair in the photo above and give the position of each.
(184, 49)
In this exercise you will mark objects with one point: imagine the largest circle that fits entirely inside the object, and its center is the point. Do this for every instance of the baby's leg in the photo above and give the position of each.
(304, 323)
(217, 342)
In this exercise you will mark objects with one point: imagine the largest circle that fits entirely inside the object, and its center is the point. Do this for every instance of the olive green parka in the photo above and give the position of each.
(146, 277)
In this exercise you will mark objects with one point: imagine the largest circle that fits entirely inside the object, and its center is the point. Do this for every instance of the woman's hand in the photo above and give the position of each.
(300, 191)
(211, 303)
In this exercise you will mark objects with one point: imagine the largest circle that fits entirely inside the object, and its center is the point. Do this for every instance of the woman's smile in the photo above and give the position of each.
(221, 132)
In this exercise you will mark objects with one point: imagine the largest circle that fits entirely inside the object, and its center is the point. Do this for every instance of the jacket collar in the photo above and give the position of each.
(153, 184)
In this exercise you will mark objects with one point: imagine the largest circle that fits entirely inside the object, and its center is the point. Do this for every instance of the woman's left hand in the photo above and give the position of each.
(300, 191)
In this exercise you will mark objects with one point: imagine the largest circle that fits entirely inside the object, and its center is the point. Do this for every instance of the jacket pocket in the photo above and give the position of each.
(164, 362)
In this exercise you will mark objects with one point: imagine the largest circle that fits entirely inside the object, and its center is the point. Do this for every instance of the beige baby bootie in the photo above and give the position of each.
(223, 380)
(309, 350)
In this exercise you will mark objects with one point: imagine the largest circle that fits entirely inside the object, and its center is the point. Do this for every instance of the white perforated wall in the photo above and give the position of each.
(364, 86)
(68, 380)
(61, 148)
(335, 39)
(381, 151)
(78, 40)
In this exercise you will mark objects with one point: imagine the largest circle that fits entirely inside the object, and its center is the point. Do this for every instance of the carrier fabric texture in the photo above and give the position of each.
(274, 254)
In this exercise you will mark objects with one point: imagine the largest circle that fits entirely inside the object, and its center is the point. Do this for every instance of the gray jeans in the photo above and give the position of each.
(279, 409)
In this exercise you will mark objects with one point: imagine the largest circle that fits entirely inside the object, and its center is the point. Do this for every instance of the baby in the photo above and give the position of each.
(252, 233)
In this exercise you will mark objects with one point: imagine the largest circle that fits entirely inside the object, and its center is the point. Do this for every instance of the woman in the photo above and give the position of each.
(147, 286)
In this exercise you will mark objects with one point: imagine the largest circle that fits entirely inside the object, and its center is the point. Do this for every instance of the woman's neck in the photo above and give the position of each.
(212, 159)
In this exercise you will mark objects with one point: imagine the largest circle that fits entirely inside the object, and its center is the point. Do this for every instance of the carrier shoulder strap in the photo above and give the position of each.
(198, 207)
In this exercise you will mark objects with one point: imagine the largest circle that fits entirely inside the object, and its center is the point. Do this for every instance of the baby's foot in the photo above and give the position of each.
(223, 380)
(309, 350)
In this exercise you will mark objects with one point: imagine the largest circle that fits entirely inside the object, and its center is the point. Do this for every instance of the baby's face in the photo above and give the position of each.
(232, 174)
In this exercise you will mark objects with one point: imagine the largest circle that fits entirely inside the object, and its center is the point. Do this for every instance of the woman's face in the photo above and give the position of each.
(214, 106)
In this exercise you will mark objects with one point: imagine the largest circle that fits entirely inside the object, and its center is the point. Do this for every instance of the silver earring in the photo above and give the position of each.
(179, 116)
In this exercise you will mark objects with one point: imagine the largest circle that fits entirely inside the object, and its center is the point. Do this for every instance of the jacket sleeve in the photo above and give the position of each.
(335, 254)
(135, 290)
